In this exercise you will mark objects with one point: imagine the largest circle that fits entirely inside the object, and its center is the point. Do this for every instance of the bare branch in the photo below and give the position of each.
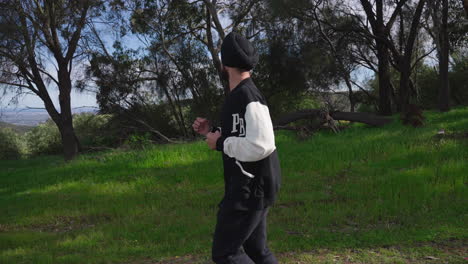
(77, 34)
(395, 13)
(49, 75)
(243, 14)
(14, 84)
(421, 58)
(212, 9)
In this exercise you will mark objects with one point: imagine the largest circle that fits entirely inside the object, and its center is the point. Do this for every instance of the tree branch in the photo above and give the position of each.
(214, 15)
(420, 58)
(14, 84)
(77, 34)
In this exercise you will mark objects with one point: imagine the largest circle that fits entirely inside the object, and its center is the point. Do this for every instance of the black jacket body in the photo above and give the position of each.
(252, 172)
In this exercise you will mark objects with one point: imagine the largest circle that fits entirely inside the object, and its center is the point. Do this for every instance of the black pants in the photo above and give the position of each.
(236, 229)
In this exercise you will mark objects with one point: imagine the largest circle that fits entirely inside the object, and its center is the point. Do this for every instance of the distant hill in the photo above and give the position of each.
(33, 117)
(18, 128)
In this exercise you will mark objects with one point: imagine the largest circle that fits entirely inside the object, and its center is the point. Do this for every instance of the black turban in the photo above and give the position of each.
(238, 52)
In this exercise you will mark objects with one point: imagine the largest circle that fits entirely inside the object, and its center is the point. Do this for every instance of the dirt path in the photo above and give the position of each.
(451, 251)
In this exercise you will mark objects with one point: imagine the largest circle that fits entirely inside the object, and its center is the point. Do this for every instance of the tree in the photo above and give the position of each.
(380, 34)
(200, 20)
(40, 35)
(172, 67)
(375, 41)
(405, 59)
(444, 88)
(325, 40)
(172, 34)
(181, 41)
(445, 25)
(341, 45)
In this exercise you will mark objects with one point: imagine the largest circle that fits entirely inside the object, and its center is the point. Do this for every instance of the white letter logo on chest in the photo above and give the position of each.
(236, 121)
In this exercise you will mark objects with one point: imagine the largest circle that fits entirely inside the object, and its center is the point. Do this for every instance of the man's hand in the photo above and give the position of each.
(211, 139)
(201, 126)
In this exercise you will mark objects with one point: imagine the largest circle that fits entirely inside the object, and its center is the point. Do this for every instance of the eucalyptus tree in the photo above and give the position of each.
(169, 32)
(338, 33)
(444, 22)
(164, 23)
(398, 51)
(405, 60)
(40, 42)
(380, 30)
(179, 43)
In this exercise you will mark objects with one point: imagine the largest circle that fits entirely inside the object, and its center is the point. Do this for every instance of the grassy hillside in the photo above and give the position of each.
(377, 195)
(18, 128)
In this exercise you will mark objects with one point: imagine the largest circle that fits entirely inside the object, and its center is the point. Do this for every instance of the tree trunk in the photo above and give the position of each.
(405, 60)
(69, 139)
(385, 92)
(211, 47)
(405, 92)
(352, 101)
(70, 143)
(444, 88)
(181, 116)
(385, 104)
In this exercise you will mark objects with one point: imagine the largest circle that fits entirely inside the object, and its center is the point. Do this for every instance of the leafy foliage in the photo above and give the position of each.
(44, 139)
(11, 146)
(93, 131)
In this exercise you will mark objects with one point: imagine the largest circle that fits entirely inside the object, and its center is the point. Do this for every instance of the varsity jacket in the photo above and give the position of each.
(252, 173)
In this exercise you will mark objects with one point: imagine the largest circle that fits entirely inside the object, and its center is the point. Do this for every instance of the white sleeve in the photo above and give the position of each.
(259, 140)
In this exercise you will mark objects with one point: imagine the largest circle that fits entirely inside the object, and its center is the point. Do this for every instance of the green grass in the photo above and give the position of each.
(350, 194)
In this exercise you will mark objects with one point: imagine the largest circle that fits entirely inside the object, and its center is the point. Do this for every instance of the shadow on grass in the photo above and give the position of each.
(129, 211)
(53, 190)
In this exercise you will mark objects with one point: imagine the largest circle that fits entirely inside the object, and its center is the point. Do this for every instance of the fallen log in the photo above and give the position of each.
(303, 114)
(323, 116)
(366, 118)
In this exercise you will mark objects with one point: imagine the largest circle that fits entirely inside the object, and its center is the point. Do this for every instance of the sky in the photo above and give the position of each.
(88, 99)
(77, 100)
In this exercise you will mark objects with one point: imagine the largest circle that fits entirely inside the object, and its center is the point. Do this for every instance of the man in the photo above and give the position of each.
(251, 167)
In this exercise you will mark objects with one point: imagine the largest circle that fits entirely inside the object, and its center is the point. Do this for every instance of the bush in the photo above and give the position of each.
(10, 144)
(428, 83)
(44, 139)
(92, 131)
(458, 78)
(367, 100)
(95, 130)
(413, 116)
(139, 141)
(366, 108)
